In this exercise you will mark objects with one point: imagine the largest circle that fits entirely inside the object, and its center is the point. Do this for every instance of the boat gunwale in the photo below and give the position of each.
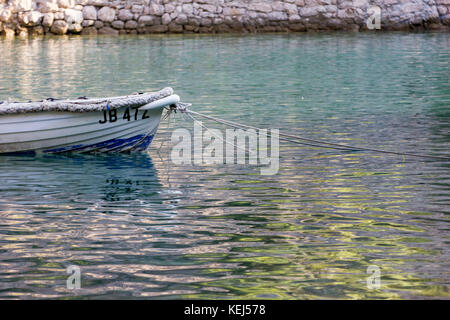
(84, 105)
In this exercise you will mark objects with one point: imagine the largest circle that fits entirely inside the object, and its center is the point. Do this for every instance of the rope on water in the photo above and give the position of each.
(183, 107)
(217, 137)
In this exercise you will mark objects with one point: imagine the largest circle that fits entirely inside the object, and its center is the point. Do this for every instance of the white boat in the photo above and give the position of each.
(116, 124)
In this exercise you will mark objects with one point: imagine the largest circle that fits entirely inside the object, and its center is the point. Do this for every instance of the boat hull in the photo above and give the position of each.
(117, 130)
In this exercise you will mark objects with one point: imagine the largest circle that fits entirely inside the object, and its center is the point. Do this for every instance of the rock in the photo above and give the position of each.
(207, 1)
(294, 18)
(334, 9)
(125, 15)
(90, 31)
(291, 9)
(217, 21)
(9, 33)
(308, 11)
(210, 15)
(166, 19)
(278, 6)
(169, 8)
(37, 31)
(188, 9)
(59, 15)
(205, 29)
(156, 9)
(412, 7)
(208, 8)
(157, 29)
(47, 19)
(360, 3)
(181, 19)
(90, 13)
(59, 27)
(66, 3)
(75, 28)
(442, 10)
(233, 11)
(5, 15)
(336, 24)
(87, 23)
(145, 21)
(118, 24)
(31, 18)
(446, 19)
(223, 28)
(73, 16)
(261, 7)
(108, 30)
(346, 13)
(176, 28)
(98, 3)
(433, 16)
(194, 22)
(190, 28)
(137, 8)
(21, 5)
(98, 24)
(390, 2)
(23, 33)
(106, 14)
(206, 22)
(131, 24)
(277, 16)
(297, 27)
(47, 6)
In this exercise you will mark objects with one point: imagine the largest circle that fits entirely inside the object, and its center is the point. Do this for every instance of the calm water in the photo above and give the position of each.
(141, 227)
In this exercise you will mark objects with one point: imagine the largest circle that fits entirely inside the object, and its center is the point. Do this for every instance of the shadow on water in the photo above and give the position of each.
(56, 210)
(108, 177)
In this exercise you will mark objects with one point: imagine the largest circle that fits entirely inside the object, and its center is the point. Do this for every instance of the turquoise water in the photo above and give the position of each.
(139, 226)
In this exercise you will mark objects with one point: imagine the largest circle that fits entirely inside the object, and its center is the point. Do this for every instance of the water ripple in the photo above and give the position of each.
(139, 226)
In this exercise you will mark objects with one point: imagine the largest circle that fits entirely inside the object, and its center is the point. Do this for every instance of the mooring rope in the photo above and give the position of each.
(216, 136)
(183, 107)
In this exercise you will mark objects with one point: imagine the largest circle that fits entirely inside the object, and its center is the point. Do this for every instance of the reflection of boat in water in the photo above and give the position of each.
(118, 124)
(82, 178)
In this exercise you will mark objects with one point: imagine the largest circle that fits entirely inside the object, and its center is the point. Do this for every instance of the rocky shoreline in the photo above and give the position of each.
(91, 17)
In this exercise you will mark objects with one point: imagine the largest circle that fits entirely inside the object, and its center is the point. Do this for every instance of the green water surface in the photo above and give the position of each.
(141, 227)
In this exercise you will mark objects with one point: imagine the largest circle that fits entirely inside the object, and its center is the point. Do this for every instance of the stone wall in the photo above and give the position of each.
(26, 17)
